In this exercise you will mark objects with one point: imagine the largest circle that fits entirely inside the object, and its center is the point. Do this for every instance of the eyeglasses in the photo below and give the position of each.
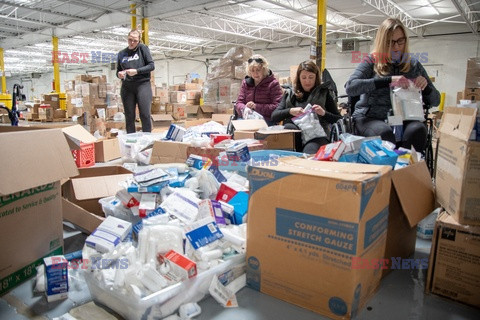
(399, 41)
(132, 40)
(258, 60)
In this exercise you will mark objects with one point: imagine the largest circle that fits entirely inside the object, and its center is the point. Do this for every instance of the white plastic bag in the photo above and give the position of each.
(407, 103)
(309, 124)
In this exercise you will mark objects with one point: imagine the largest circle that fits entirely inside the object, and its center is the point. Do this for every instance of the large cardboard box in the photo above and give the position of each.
(472, 78)
(278, 139)
(92, 184)
(453, 271)
(457, 177)
(307, 221)
(31, 167)
(411, 199)
(107, 150)
(169, 152)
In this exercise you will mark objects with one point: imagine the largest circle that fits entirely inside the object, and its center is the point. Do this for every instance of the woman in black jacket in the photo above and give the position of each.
(134, 65)
(308, 90)
(389, 63)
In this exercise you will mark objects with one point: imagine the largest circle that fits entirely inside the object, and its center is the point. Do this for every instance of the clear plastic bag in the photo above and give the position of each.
(407, 102)
(309, 124)
(249, 114)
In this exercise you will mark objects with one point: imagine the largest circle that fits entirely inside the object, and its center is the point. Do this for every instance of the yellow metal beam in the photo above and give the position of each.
(56, 68)
(2, 68)
(321, 33)
(145, 31)
(133, 11)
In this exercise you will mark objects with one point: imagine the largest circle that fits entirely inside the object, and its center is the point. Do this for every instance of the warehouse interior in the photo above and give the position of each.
(57, 50)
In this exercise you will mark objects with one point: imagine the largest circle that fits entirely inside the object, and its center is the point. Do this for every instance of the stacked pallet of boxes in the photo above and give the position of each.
(50, 108)
(224, 81)
(95, 101)
(179, 102)
(472, 82)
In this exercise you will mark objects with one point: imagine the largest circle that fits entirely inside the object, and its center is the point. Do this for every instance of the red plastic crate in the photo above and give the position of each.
(85, 156)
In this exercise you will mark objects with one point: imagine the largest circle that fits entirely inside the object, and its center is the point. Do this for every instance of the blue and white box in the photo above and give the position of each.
(56, 278)
(109, 234)
(238, 152)
(202, 232)
(175, 133)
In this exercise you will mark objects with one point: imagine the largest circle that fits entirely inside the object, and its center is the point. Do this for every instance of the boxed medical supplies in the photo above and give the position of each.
(307, 222)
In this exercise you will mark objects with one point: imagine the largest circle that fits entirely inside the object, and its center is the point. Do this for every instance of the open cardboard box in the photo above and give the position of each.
(107, 150)
(76, 135)
(32, 164)
(457, 179)
(281, 139)
(87, 188)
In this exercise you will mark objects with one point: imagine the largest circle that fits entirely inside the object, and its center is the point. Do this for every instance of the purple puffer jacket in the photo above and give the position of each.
(266, 95)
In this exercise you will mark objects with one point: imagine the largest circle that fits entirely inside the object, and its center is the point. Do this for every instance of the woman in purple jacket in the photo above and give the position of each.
(260, 90)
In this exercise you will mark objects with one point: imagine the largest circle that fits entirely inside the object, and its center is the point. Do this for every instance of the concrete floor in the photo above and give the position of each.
(400, 296)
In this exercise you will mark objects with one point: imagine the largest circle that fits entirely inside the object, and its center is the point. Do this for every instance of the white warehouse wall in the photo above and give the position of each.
(447, 60)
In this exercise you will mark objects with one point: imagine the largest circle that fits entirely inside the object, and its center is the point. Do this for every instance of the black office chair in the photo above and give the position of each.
(428, 152)
(346, 124)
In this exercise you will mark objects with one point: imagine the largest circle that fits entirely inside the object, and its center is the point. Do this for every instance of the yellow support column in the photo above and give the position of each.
(321, 33)
(145, 31)
(2, 67)
(133, 11)
(5, 97)
(56, 68)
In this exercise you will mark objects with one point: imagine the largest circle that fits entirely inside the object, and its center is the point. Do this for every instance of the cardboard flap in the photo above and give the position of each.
(78, 134)
(162, 117)
(98, 187)
(34, 158)
(414, 188)
(249, 125)
(458, 122)
(337, 170)
(277, 131)
(222, 118)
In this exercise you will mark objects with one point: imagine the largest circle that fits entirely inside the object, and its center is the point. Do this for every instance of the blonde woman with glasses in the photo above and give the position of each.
(389, 63)
(260, 90)
(134, 65)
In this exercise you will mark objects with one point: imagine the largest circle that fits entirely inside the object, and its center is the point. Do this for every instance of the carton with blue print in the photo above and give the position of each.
(307, 220)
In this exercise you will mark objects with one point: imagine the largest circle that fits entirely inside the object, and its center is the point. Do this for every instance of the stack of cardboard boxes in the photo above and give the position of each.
(472, 82)
(454, 270)
(225, 80)
(182, 101)
(97, 101)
